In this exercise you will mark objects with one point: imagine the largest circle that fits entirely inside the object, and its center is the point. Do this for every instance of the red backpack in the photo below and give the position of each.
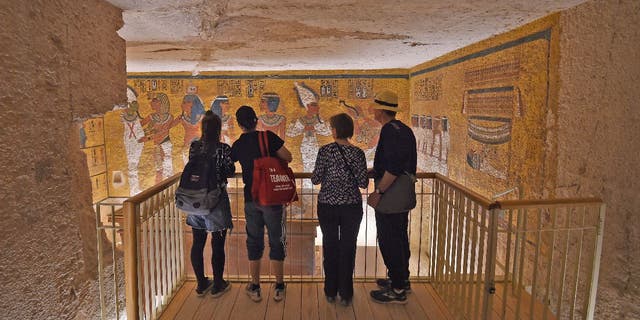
(273, 181)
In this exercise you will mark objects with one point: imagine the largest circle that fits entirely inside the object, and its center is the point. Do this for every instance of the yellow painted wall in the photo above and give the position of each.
(354, 87)
(480, 113)
(92, 143)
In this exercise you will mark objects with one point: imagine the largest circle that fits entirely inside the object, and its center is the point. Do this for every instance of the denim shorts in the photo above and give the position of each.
(273, 218)
(218, 219)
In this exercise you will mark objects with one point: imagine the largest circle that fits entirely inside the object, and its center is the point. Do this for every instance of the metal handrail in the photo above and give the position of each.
(464, 239)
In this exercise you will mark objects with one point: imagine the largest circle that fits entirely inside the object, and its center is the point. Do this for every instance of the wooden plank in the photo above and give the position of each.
(309, 302)
(178, 300)
(245, 308)
(525, 303)
(293, 301)
(379, 311)
(208, 307)
(345, 312)
(361, 307)
(397, 311)
(190, 305)
(436, 298)
(227, 302)
(426, 300)
(275, 310)
(326, 310)
(414, 308)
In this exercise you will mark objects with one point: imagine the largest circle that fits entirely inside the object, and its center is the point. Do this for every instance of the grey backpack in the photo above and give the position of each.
(199, 190)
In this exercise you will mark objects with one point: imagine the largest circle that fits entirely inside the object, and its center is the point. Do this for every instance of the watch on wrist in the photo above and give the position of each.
(378, 191)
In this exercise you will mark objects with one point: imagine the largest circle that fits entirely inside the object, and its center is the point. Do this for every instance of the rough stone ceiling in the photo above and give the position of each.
(264, 35)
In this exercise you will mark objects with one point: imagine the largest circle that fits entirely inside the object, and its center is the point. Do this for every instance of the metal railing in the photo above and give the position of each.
(154, 250)
(485, 259)
(515, 259)
(110, 257)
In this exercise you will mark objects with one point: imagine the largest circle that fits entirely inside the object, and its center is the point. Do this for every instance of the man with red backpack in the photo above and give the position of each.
(245, 150)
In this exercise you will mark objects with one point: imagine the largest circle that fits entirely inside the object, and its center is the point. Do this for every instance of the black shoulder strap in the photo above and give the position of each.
(213, 156)
(346, 163)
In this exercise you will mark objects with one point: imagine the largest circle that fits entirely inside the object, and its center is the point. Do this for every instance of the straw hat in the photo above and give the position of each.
(386, 100)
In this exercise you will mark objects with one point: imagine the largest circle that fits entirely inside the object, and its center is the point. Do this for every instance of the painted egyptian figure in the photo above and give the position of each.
(270, 120)
(308, 125)
(192, 113)
(157, 126)
(366, 131)
(220, 106)
(132, 133)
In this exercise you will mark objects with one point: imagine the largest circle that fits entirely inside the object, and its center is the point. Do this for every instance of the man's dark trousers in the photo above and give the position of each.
(393, 239)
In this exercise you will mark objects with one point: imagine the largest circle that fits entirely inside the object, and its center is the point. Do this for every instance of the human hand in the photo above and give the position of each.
(373, 199)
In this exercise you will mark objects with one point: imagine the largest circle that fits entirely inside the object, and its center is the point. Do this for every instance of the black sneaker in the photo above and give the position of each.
(279, 291)
(253, 291)
(389, 295)
(203, 286)
(217, 291)
(386, 283)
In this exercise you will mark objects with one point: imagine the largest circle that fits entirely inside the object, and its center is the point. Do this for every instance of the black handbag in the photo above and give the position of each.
(400, 196)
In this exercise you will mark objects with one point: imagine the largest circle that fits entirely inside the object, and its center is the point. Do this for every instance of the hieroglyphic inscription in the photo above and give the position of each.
(177, 86)
(502, 72)
(230, 88)
(428, 89)
(151, 85)
(96, 159)
(329, 88)
(499, 101)
(360, 88)
(254, 87)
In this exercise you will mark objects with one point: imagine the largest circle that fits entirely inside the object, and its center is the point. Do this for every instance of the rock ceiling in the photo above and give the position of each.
(263, 35)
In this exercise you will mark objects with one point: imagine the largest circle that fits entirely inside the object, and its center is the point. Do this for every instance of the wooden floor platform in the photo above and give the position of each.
(303, 301)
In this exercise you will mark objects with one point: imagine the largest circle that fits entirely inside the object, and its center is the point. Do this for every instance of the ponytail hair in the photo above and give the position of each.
(211, 127)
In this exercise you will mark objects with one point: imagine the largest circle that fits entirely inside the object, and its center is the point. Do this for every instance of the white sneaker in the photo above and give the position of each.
(253, 293)
(279, 291)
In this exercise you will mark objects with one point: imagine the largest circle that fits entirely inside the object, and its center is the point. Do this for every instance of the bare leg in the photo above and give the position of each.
(278, 269)
(254, 266)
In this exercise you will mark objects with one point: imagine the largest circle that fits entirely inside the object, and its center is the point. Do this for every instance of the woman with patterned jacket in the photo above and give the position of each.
(341, 169)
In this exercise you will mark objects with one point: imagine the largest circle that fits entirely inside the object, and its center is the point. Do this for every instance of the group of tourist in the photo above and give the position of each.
(341, 170)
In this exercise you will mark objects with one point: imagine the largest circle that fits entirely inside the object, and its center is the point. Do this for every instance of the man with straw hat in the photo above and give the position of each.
(395, 155)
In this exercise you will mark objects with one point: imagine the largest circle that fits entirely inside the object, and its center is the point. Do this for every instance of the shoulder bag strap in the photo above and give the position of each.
(218, 160)
(265, 140)
(212, 156)
(346, 163)
(261, 144)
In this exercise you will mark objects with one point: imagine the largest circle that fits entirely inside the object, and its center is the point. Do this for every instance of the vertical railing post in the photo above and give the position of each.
(595, 272)
(131, 259)
(100, 262)
(490, 264)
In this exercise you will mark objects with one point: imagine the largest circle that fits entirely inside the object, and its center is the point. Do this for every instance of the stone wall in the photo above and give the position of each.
(597, 133)
(62, 62)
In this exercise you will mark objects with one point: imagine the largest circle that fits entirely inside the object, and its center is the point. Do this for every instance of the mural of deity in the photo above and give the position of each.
(192, 113)
(308, 125)
(366, 130)
(270, 120)
(220, 106)
(432, 135)
(157, 126)
(132, 133)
